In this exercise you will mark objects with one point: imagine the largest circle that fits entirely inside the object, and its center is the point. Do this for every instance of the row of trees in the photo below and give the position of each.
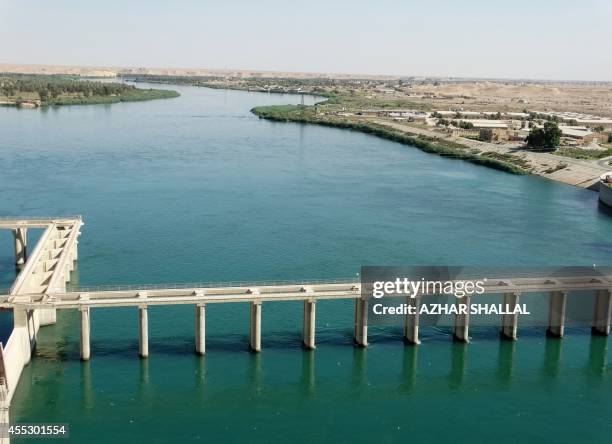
(51, 87)
(547, 137)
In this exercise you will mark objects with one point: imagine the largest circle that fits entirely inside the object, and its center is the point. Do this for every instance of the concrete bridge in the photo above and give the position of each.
(40, 289)
(45, 270)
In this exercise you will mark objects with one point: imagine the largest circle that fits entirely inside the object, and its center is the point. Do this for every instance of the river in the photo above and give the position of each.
(198, 189)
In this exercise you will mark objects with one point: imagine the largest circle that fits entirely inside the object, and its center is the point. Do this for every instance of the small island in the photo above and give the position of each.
(33, 91)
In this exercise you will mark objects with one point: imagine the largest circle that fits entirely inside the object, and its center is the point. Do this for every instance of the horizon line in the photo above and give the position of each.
(292, 74)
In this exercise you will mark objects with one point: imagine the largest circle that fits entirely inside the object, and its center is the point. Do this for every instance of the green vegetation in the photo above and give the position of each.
(62, 90)
(583, 153)
(350, 95)
(547, 138)
(310, 114)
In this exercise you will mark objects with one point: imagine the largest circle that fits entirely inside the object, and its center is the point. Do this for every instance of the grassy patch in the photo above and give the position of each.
(579, 153)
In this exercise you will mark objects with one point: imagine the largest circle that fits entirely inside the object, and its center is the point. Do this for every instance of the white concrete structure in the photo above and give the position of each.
(556, 313)
(361, 322)
(308, 331)
(602, 317)
(143, 331)
(605, 189)
(509, 324)
(255, 326)
(20, 241)
(85, 334)
(461, 332)
(40, 289)
(411, 322)
(200, 328)
(46, 270)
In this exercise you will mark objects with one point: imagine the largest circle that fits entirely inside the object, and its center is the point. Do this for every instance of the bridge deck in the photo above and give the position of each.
(158, 295)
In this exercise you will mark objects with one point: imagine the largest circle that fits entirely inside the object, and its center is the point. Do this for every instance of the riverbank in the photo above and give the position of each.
(360, 105)
(202, 187)
(505, 157)
(309, 114)
(27, 91)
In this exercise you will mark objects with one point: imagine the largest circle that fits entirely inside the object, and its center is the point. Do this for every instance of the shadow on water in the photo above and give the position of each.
(359, 380)
(598, 357)
(603, 208)
(200, 372)
(409, 368)
(552, 358)
(307, 378)
(458, 365)
(87, 393)
(505, 360)
(255, 374)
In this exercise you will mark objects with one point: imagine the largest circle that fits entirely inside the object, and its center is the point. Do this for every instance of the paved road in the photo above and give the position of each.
(605, 162)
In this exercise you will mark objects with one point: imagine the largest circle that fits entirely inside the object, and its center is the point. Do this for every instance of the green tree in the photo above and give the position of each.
(548, 137)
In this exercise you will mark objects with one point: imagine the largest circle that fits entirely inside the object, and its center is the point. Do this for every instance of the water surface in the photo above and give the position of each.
(197, 189)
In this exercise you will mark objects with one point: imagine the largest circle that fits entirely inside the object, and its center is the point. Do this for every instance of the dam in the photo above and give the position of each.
(40, 290)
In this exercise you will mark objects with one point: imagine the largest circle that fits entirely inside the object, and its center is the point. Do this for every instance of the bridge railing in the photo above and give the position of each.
(39, 218)
(183, 285)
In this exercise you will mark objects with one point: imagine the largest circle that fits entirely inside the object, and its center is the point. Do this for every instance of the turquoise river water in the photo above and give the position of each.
(198, 189)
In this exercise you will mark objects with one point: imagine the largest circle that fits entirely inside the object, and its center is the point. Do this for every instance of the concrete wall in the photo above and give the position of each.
(605, 194)
(18, 348)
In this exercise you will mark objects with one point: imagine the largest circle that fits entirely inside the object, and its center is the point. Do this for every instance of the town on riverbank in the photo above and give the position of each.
(558, 130)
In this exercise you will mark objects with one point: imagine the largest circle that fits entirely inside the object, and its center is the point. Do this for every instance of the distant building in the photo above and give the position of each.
(482, 123)
(583, 136)
(580, 119)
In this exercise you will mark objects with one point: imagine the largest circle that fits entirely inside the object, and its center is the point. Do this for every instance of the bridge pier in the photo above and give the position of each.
(47, 316)
(85, 334)
(361, 322)
(509, 322)
(411, 322)
(603, 313)
(308, 330)
(255, 326)
(143, 324)
(200, 328)
(462, 321)
(20, 243)
(556, 313)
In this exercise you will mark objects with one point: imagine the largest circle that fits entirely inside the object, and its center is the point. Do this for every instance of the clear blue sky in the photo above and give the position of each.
(529, 39)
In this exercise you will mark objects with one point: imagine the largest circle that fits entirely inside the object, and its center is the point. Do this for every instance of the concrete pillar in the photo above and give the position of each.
(85, 326)
(47, 316)
(411, 322)
(255, 326)
(143, 324)
(200, 328)
(4, 413)
(308, 330)
(509, 322)
(20, 240)
(603, 313)
(361, 322)
(462, 320)
(556, 313)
